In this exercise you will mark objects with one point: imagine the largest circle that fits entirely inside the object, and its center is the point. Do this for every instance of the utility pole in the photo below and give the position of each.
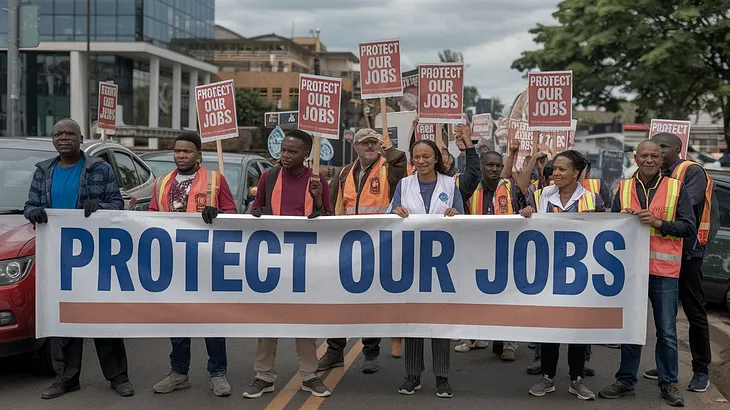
(13, 108)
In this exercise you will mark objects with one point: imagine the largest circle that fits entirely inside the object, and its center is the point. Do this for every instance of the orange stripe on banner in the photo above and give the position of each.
(555, 317)
(291, 389)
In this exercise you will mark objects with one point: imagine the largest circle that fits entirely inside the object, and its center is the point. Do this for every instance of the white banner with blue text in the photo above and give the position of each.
(568, 278)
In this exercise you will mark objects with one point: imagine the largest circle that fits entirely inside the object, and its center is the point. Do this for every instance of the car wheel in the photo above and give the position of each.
(41, 360)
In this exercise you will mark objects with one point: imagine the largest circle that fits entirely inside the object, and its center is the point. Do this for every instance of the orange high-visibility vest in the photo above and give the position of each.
(703, 232)
(586, 203)
(374, 196)
(593, 185)
(502, 194)
(665, 252)
(276, 195)
(203, 191)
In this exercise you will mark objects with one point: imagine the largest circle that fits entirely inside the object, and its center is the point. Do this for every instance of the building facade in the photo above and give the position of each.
(133, 43)
(270, 64)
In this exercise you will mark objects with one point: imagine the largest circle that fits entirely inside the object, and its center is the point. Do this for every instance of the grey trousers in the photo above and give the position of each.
(441, 352)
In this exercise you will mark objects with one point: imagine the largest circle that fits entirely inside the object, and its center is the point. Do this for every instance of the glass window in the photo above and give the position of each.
(45, 7)
(80, 27)
(125, 25)
(46, 25)
(106, 28)
(128, 178)
(63, 28)
(142, 172)
(126, 7)
(253, 174)
(16, 172)
(64, 7)
(108, 7)
(81, 7)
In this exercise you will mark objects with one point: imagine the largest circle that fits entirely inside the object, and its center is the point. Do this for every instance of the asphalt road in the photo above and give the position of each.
(479, 380)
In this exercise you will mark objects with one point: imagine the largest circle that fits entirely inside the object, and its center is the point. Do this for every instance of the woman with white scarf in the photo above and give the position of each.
(428, 191)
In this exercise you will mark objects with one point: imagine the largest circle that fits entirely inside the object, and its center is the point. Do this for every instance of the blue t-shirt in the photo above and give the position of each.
(65, 186)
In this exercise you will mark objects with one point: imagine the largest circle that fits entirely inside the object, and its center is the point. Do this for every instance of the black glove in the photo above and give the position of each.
(210, 213)
(90, 206)
(257, 212)
(38, 216)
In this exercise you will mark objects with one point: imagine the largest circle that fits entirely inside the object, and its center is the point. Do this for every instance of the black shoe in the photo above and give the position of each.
(443, 388)
(370, 365)
(588, 370)
(124, 389)
(410, 386)
(671, 395)
(615, 391)
(330, 361)
(57, 390)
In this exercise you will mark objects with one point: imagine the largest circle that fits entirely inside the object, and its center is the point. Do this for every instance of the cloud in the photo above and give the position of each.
(491, 34)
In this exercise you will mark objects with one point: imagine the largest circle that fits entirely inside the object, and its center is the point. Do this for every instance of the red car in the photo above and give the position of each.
(17, 237)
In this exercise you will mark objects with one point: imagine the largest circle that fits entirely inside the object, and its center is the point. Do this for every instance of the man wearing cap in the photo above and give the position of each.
(365, 187)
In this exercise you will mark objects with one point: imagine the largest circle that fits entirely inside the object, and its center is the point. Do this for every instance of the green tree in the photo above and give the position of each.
(670, 56)
(250, 108)
(471, 93)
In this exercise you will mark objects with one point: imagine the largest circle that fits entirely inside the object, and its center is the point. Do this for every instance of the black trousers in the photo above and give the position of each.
(370, 346)
(693, 298)
(67, 352)
(550, 353)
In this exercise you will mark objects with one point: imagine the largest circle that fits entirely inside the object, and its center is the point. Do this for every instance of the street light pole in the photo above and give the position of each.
(13, 108)
(88, 69)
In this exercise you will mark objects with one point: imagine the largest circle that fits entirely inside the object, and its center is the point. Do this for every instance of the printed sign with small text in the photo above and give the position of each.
(426, 132)
(380, 74)
(319, 105)
(481, 126)
(216, 104)
(107, 113)
(550, 100)
(678, 128)
(441, 93)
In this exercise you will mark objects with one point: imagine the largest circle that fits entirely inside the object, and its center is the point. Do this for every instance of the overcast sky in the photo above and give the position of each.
(490, 33)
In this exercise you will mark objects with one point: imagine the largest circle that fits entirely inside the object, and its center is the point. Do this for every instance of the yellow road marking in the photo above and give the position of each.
(291, 389)
(335, 376)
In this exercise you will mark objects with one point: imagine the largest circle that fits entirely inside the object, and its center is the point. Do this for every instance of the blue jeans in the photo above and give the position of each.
(663, 295)
(217, 360)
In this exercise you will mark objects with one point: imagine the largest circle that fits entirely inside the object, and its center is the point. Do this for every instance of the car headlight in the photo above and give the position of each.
(15, 270)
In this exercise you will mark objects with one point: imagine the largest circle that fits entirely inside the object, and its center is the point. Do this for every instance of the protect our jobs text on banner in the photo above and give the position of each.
(566, 278)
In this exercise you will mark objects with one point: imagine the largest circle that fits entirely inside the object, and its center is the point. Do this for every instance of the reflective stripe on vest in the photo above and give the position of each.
(703, 232)
(537, 196)
(593, 185)
(276, 196)
(502, 201)
(203, 191)
(476, 202)
(374, 196)
(665, 252)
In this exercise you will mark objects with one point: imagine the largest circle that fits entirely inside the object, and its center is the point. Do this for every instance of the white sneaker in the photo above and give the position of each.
(464, 347)
(481, 344)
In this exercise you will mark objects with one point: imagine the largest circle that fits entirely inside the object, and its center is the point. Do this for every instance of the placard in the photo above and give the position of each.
(107, 112)
(216, 105)
(550, 100)
(380, 74)
(441, 93)
(319, 105)
(678, 128)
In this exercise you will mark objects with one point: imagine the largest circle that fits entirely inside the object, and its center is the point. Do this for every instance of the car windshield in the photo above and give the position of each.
(232, 171)
(16, 172)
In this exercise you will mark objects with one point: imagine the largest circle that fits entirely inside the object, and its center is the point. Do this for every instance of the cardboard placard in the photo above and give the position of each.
(392, 134)
(216, 104)
(481, 127)
(519, 130)
(558, 140)
(107, 112)
(441, 93)
(425, 132)
(319, 105)
(678, 128)
(410, 82)
(380, 74)
(550, 100)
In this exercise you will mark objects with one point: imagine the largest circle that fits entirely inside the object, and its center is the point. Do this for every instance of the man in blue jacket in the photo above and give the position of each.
(73, 180)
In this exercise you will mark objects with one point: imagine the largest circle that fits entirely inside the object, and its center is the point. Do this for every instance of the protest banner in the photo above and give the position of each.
(426, 132)
(107, 109)
(217, 117)
(319, 109)
(441, 93)
(550, 100)
(283, 119)
(571, 278)
(678, 128)
(481, 127)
